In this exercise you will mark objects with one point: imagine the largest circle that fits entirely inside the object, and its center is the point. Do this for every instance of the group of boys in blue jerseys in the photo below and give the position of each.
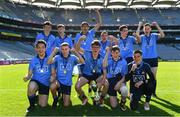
(110, 62)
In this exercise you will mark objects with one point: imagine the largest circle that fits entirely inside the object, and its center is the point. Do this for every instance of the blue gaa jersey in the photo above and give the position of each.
(116, 67)
(50, 41)
(60, 40)
(41, 70)
(149, 46)
(64, 68)
(126, 46)
(92, 66)
(86, 44)
(103, 47)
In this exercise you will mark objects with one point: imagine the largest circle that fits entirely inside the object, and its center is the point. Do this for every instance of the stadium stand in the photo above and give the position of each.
(168, 52)
(19, 21)
(129, 16)
(15, 50)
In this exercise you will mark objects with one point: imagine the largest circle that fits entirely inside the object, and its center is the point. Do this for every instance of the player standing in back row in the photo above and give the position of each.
(47, 37)
(148, 41)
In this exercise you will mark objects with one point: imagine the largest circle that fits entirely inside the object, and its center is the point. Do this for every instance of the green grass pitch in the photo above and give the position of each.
(13, 99)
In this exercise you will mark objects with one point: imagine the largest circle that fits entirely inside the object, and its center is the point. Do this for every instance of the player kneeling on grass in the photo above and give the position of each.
(116, 70)
(139, 84)
(39, 73)
(92, 70)
(64, 64)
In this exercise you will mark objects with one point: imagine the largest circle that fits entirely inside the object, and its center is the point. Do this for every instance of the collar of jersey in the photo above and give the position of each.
(44, 56)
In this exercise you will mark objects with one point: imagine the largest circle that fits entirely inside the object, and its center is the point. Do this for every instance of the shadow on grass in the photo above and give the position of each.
(90, 110)
(167, 104)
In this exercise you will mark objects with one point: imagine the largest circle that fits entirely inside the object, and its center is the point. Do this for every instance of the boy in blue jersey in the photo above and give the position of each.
(47, 37)
(62, 37)
(106, 41)
(139, 84)
(86, 44)
(92, 70)
(126, 43)
(39, 72)
(148, 41)
(116, 70)
(64, 64)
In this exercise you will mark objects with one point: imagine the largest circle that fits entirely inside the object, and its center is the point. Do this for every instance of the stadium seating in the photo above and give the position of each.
(23, 51)
(168, 52)
(129, 16)
(28, 13)
(14, 50)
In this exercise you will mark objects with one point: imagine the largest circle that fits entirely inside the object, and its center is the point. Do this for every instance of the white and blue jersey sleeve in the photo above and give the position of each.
(31, 65)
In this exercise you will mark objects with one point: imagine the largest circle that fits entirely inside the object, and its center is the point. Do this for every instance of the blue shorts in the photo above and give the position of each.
(91, 77)
(42, 89)
(64, 89)
(153, 62)
(112, 83)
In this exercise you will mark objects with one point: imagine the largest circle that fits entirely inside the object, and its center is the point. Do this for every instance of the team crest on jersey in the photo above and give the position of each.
(137, 78)
(116, 71)
(44, 69)
(67, 67)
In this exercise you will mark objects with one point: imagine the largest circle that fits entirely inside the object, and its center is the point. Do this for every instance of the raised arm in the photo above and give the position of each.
(105, 61)
(78, 45)
(51, 57)
(161, 32)
(113, 39)
(81, 60)
(137, 34)
(99, 20)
